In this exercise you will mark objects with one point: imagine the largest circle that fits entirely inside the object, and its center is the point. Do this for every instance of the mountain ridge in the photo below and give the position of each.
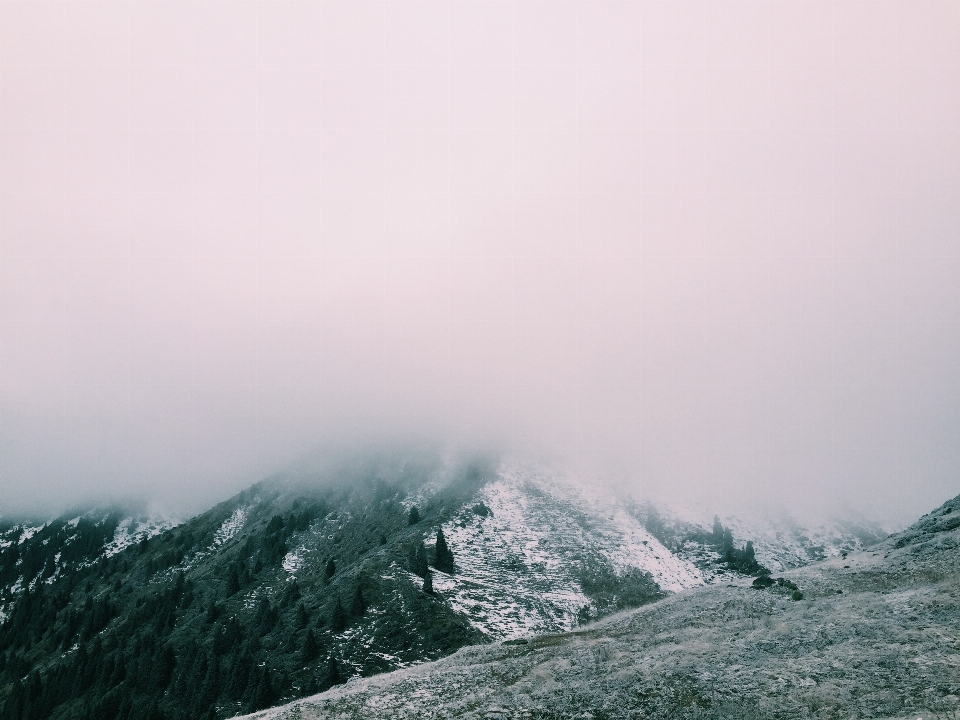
(877, 635)
(298, 584)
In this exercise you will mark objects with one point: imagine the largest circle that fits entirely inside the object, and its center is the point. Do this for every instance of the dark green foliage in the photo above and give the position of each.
(291, 594)
(275, 525)
(612, 592)
(414, 516)
(302, 617)
(765, 581)
(264, 694)
(717, 531)
(358, 606)
(338, 618)
(266, 615)
(273, 545)
(310, 648)
(443, 556)
(743, 560)
(233, 581)
(417, 559)
(177, 626)
(428, 583)
(333, 672)
(654, 524)
(583, 615)
(482, 510)
(213, 611)
(726, 543)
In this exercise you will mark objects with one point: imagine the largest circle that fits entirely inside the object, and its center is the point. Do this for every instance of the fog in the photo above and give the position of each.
(703, 249)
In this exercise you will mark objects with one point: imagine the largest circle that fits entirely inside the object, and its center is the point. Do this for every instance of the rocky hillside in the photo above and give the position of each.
(320, 575)
(875, 634)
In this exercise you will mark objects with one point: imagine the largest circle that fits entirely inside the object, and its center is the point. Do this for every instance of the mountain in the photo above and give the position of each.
(338, 571)
(781, 542)
(875, 634)
(41, 551)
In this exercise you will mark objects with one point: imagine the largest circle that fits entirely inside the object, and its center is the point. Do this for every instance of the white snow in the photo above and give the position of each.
(29, 532)
(230, 527)
(132, 530)
(780, 541)
(517, 570)
(292, 562)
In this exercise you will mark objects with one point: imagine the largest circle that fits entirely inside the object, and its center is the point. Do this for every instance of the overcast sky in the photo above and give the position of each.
(710, 248)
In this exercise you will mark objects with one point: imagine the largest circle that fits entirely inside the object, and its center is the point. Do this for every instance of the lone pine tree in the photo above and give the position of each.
(414, 517)
(428, 583)
(717, 531)
(443, 556)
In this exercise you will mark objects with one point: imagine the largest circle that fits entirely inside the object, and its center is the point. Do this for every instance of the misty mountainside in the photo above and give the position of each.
(309, 578)
(875, 634)
(780, 542)
(41, 551)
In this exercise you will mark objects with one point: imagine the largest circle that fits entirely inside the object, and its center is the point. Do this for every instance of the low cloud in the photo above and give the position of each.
(705, 249)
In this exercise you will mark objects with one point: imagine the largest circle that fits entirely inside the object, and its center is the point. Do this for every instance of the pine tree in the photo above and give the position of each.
(331, 568)
(414, 516)
(310, 648)
(233, 581)
(338, 618)
(302, 618)
(264, 614)
(726, 546)
(291, 594)
(333, 672)
(213, 611)
(443, 556)
(359, 605)
(717, 531)
(264, 694)
(417, 560)
(428, 583)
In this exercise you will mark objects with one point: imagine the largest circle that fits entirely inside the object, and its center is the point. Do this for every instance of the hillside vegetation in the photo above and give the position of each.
(875, 634)
(327, 575)
(280, 592)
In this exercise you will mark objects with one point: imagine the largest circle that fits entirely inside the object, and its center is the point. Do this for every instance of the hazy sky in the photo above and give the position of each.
(711, 248)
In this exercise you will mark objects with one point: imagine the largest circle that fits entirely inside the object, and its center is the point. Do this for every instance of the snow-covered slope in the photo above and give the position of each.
(522, 545)
(873, 636)
(781, 541)
(34, 552)
(136, 528)
(525, 539)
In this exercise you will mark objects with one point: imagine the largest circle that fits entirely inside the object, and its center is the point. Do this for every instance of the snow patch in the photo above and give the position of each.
(132, 530)
(230, 527)
(292, 562)
(518, 567)
(29, 532)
